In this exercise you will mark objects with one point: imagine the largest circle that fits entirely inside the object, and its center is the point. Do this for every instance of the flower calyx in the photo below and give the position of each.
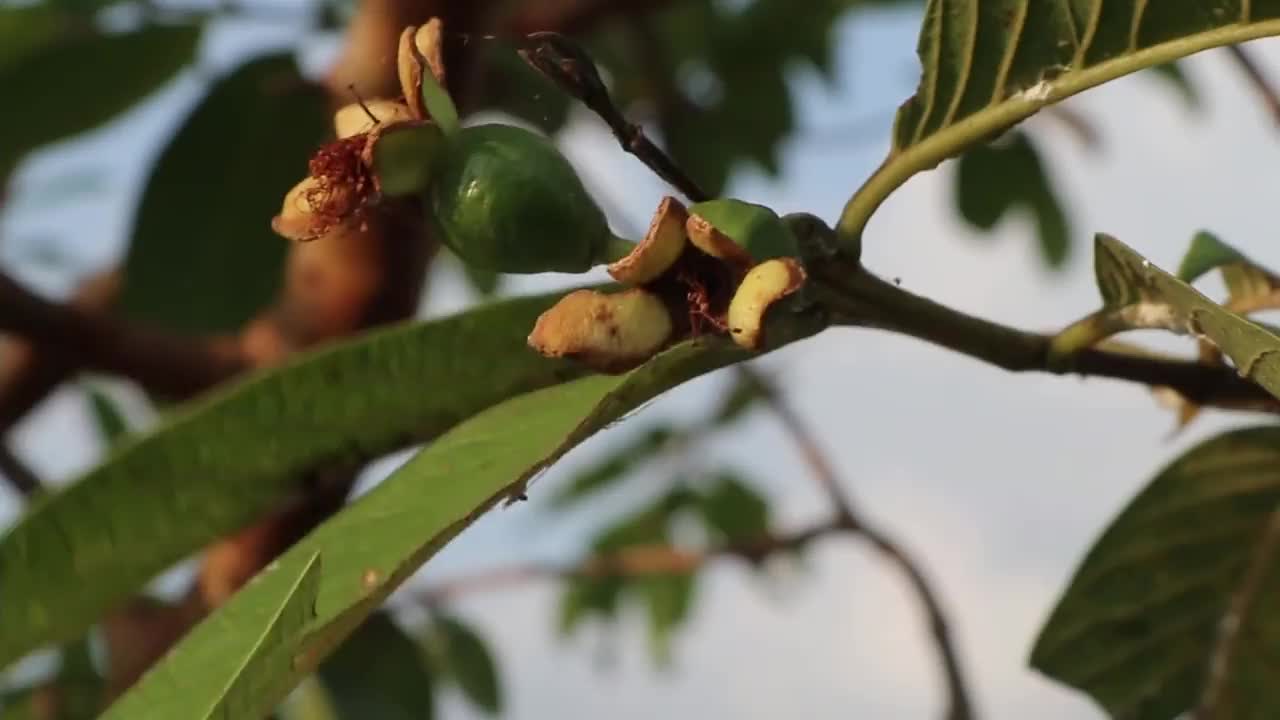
(699, 272)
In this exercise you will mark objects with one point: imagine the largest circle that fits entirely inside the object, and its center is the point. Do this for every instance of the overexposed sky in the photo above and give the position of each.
(998, 482)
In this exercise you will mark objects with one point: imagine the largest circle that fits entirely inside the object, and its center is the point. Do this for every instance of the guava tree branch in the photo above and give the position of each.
(16, 472)
(851, 519)
(96, 340)
(632, 562)
(859, 298)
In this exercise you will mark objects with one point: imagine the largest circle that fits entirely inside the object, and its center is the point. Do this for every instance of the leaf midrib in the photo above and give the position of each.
(928, 152)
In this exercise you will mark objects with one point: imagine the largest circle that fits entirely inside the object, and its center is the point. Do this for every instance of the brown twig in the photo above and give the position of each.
(15, 471)
(164, 363)
(850, 518)
(858, 298)
(636, 561)
(29, 372)
(1237, 614)
(568, 65)
(1258, 79)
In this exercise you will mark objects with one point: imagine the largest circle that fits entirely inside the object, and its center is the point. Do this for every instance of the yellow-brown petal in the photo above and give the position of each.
(609, 333)
(301, 217)
(423, 41)
(659, 250)
(764, 285)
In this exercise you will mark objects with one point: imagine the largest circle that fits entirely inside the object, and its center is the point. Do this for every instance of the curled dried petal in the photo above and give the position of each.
(711, 241)
(662, 246)
(425, 42)
(609, 333)
(304, 215)
(766, 284)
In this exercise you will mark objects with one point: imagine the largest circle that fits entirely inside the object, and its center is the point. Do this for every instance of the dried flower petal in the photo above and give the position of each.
(711, 241)
(765, 285)
(427, 43)
(610, 333)
(661, 247)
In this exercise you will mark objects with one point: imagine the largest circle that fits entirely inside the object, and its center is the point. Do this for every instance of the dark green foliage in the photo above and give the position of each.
(96, 76)
(1006, 175)
(1138, 621)
(203, 225)
(379, 672)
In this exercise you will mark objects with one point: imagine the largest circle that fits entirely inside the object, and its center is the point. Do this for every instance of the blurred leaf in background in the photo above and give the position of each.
(203, 257)
(379, 672)
(1010, 174)
(458, 654)
(97, 75)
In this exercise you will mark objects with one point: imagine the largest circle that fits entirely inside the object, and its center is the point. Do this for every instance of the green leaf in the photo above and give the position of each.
(585, 597)
(1171, 73)
(733, 509)
(1206, 254)
(203, 224)
(246, 673)
(402, 158)
(379, 672)
(755, 228)
(668, 598)
(989, 64)
(378, 541)
(217, 464)
(26, 29)
(1138, 621)
(440, 107)
(483, 280)
(469, 663)
(627, 457)
(650, 525)
(1137, 294)
(1244, 278)
(112, 427)
(739, 401)
(995, 178)
(81, 81)
(721, 75)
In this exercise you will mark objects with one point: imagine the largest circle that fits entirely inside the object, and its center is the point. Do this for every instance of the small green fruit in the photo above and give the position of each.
(755, 228)
(506, 199)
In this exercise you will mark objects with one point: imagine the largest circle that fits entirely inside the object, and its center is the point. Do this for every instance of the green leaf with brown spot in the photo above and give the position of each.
(372, 546)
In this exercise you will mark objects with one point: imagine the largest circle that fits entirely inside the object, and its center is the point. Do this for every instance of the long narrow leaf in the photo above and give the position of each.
(375, 544)
(219, 464)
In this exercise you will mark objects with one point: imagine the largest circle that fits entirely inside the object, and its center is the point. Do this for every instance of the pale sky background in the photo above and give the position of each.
(998, 482)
